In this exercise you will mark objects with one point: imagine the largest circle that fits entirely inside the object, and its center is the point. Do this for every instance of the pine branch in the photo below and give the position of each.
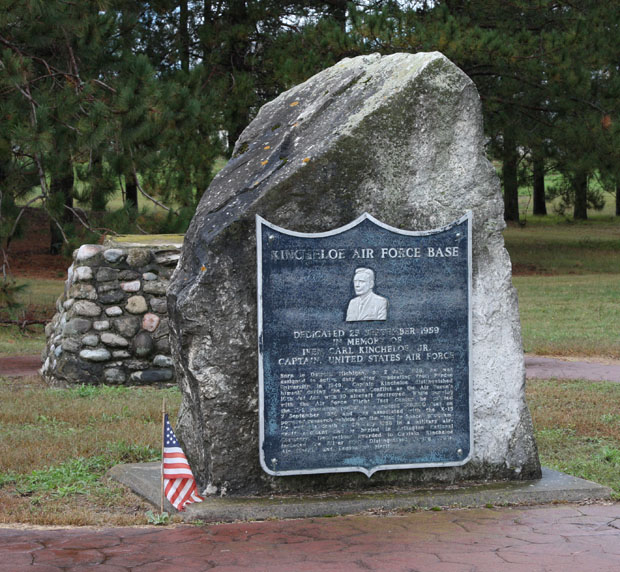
(149, 197)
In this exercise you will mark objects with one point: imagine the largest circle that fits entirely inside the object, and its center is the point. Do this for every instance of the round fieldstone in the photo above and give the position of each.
(76, 326)
(83, 273)
(114, 255)
(159, 305)
(132, 286)
(90, 340)
(120, 354)
(71, 345)
(87, 252)
(143, 344)
(127, 326)
(106, 274)
(68, 303)
(103, 287)
(152, 375)
(114, 340)
(113, 311)
(101, 325)
(156, 287)
(162, 361)
(126, 275)
(83, 292)
(150, 322)
(137, 364)
(149, 276)
(112, 297)
(136, 305)
(114, 375)
(138, 257)
(85, 308)
(99, 354)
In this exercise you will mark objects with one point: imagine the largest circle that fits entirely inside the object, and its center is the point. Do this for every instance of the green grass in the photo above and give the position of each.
(54, 453)
(577, 427)
(41, 292)
(570, 314)
(38, 302)
(553, 246)
(15, 340)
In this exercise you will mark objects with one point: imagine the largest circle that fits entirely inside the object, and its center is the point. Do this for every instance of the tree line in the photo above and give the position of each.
(146, 95)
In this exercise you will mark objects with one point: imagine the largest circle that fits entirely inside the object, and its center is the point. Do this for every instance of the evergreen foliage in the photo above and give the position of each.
(147, 94)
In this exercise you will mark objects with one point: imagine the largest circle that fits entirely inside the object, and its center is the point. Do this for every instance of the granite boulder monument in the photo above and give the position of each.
(398, 137)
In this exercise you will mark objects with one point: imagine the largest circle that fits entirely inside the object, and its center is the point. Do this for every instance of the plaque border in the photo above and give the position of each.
(260, 222)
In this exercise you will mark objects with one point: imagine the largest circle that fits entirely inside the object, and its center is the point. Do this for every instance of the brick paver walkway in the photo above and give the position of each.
(562, 538)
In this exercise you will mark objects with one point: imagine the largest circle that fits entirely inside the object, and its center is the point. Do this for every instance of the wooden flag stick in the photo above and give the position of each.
(163, 440)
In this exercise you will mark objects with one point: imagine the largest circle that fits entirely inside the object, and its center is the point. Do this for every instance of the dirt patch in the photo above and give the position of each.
(20, 366)
(29, 255)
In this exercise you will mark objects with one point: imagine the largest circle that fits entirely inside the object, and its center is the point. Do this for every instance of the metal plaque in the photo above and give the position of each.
(364, 347)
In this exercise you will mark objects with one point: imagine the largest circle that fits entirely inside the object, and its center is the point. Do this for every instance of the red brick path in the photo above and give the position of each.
(558, 538)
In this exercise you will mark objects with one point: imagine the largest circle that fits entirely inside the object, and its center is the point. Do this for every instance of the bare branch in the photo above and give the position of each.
(104, 85)
(97, 230)
(149, 197)
(17, 219)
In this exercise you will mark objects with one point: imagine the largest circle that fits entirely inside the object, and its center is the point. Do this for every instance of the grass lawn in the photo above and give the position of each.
(553, 246)
(55, 451)
(570, 314)
(38, 301)
(577, 425)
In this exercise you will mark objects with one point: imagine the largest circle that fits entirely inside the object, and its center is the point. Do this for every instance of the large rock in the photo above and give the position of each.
(399, 137)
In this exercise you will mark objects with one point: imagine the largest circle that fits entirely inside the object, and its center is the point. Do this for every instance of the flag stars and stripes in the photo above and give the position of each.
(179, 484)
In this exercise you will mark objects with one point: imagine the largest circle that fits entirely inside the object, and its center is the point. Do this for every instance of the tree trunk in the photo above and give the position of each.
(207, 16)
(131, 191)
(184, 34)
(61, 186)
(338, 10)
(540, 204)
(237, 114)
(98, 199)
(509, 174)
(580, 184)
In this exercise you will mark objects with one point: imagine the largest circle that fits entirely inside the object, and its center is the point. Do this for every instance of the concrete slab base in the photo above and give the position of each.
(144, 479)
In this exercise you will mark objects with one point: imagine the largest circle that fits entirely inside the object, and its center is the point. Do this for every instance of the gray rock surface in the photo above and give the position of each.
(85, 308)
(136, 305)
(127, 325)
(152, 375)
(113, 311)
(90, 339)
(99, 354)
(114, 340)
(114, 255)
(143, 344)
(399, 137)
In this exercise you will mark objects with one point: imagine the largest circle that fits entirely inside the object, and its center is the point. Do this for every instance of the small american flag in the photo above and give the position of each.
(179, 483)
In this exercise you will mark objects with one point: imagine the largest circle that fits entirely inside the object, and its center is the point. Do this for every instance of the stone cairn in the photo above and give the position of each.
(111, 324)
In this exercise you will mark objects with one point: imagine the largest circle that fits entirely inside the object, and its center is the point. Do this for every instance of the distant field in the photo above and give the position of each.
(551, 245)
(570, 314)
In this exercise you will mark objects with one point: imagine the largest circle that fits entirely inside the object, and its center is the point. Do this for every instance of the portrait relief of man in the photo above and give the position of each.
(366, 305)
